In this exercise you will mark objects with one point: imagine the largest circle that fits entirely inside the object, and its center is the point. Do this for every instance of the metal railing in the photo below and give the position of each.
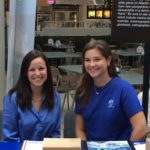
(77, 24)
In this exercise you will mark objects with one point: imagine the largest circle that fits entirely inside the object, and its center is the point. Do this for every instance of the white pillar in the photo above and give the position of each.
(2, 53)
(20, 36)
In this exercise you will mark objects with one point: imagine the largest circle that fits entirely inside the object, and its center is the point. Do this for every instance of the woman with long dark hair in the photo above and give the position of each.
(31, 109)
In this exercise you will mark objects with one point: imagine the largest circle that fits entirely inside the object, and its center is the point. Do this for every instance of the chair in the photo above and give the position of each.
(69, 124)
(138, 69)
(78, 60)
(61, 83)
(73, 79)
(55, 76)
(117, 60)
(38, 47)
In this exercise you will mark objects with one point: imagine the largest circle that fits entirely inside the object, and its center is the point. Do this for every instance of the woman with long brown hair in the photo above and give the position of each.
(107, 107)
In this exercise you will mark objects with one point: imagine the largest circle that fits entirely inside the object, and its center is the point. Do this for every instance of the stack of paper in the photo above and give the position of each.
(32, 145)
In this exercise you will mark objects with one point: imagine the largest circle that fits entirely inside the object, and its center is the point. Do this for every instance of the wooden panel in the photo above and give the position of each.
(42, 3)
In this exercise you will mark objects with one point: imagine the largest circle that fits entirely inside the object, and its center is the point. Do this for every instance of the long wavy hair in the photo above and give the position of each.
(23, 89)
(87, 82)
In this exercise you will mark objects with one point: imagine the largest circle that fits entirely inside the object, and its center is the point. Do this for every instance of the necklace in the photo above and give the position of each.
(97, 90)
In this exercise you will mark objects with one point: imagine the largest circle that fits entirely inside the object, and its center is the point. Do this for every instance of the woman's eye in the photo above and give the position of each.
(41, 68)
(97, 59)
(31, 69)
(86, 60)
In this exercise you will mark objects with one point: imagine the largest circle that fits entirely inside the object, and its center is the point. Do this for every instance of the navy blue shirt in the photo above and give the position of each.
(21, 125)
(106, 116)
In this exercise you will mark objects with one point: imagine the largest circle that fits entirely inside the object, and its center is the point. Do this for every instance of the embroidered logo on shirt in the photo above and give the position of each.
(111, 103)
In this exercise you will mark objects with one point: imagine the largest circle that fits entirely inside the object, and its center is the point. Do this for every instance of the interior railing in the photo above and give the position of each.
(77, 24)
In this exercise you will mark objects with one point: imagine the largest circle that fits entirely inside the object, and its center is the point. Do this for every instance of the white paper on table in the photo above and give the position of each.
(140, 146)
(32, 145)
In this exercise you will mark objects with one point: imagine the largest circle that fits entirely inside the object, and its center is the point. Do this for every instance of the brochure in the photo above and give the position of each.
(107, 145)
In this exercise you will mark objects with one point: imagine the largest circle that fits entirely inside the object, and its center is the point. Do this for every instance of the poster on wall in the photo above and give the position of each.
(131, 21)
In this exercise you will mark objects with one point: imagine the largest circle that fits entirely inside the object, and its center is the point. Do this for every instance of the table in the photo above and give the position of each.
(61, 47)
(129, 57)
(30, 145)
(52, 55)
(127, 53)
(132, 77)
(71, 68)
(61, 55)
(112, 46)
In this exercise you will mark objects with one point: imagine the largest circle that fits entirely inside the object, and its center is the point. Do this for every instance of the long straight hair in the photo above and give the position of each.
(23, 89)
(87, 82)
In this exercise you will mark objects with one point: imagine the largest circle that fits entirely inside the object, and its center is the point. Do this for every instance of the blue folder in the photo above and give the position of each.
(10, 146)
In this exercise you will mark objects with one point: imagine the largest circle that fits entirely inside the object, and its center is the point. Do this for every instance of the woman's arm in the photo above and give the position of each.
(139, 126)
(79, 127)
(10, 119)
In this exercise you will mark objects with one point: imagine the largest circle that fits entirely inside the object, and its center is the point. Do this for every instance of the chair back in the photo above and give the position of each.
(73, 82)
(117, 60)
(69, 124)
(55, 76)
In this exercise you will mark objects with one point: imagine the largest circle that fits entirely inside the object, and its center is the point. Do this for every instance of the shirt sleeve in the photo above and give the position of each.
(56, 133)
(131, 104)
(10, 119)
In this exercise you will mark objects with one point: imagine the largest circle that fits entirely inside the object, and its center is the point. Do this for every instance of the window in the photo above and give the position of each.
(107, 13)
(100, 11)
(91, 14)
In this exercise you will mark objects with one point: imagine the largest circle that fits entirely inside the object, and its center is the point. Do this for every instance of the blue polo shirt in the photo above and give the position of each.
(106, 116)
(21, 125)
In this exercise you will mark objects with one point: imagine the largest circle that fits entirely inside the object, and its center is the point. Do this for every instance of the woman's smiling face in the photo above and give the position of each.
(37, 73)
(95, 63)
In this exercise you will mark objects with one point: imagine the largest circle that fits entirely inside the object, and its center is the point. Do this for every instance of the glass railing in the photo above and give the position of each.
(77, 24)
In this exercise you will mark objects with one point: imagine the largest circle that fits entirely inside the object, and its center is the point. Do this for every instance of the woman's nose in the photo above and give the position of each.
(37, 72)
(92, 63)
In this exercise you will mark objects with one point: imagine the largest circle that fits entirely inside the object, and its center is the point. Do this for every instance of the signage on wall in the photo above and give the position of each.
(50, 2)
(131, 21)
